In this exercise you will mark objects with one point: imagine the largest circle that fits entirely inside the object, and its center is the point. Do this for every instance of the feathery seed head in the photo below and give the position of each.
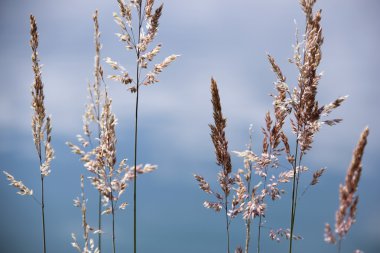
(346, 214)
(23, 190)
(217, 131)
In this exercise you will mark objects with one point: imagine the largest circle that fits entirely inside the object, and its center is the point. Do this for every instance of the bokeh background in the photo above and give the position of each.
(225, 39)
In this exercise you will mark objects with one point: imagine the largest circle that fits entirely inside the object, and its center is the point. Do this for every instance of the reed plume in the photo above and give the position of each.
(345, 216)
(41, 129)
(41, 124)
(223, 159)
(221, 151)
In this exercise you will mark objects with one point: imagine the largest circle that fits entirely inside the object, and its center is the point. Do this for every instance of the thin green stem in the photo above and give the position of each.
(248, 221)
(39, 151)
(260, 217)
(259, 236)
(100, 223)
(136, 128)
(99, 194)
(339, 245)
(43, 213)
(227, 221)
(294, 200)
(260, 221)
(135, 175)
(113, 225)
(297, 184)
(296, 175)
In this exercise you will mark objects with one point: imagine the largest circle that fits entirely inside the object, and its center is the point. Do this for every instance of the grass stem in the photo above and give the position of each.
(227, 222)
(113, 225)
(136, 135)
(294, 198)
(43, 213)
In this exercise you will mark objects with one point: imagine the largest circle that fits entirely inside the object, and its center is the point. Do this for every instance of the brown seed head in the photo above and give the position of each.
(37, 89)
(217, 131)
(346, 214)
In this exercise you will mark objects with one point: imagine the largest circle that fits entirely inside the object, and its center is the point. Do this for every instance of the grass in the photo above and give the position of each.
(297, 106)
(41, 128)
(243, 193)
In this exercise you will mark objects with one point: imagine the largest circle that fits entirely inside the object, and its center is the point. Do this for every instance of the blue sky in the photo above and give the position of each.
(224, 39)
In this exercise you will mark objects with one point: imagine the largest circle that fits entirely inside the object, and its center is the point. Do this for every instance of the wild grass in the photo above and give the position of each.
(41, 129)
(345, 216)
(299, 107)
(244, 193)
(131, 20)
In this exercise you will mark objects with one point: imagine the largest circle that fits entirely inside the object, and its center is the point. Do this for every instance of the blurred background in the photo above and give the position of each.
(224, 39)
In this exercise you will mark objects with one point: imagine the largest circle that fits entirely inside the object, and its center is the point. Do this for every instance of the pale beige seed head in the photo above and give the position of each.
(23, 190)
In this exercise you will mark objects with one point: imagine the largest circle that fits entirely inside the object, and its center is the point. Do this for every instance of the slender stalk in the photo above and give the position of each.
(84, 216)
(227, 222)
(260, 224)
(259, 236)
(40, 124)
(136, 128)
(248, 235)
(297, 183)
(100, 222)
(339, 245)
(294, 186)
(113, 225)
(96, 88)
(294, 200)
(135, 176)
(99, 194)
(43, 213)
(42, 202)
(248, 221)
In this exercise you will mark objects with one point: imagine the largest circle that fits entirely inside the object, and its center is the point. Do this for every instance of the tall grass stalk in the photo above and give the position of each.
(294, 198)
(43, 213)
(109, 179)
(249, 182)
(139, 45)
(41, 129)
(345, 216)
(96, 96)
(303, 101)
(92, 118)
(221, 150)
(136, 130)
(40, 123)
(223, 159)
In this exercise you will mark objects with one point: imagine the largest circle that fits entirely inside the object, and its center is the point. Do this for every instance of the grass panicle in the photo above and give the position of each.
(41, 129)
(345, 216)
(89, 244)
(223, 159)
